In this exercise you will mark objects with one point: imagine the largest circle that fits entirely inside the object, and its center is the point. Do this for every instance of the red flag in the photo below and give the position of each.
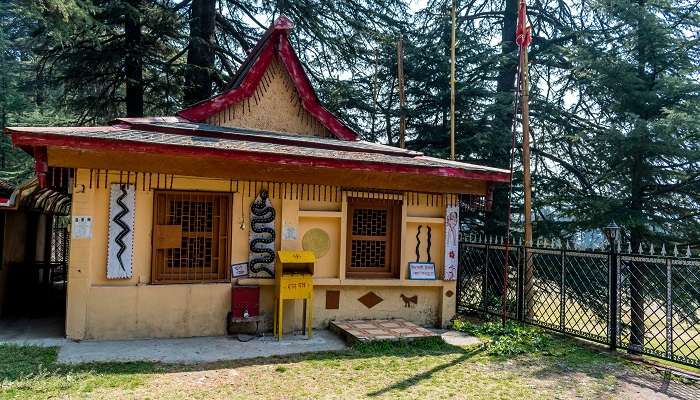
(523, 36)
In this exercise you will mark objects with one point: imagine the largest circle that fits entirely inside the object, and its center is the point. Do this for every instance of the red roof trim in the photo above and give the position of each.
(44, 139)
(309, 100)
(204, 109)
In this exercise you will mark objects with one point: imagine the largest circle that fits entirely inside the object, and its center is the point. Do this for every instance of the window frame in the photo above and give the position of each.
(393, 242)
(221, 233)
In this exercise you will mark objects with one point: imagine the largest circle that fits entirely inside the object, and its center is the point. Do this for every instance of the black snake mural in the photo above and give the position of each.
(125, 228)
(430, 241)
(262, 214)
(418, 242)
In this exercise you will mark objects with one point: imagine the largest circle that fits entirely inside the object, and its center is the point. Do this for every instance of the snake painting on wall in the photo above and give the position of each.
(120, 231)
(261, 259)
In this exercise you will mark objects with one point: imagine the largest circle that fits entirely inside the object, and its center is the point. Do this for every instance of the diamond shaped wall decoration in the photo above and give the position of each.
(370, 299)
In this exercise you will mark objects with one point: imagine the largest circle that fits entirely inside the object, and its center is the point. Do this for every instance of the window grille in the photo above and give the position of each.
(191, 237)
(373, 238)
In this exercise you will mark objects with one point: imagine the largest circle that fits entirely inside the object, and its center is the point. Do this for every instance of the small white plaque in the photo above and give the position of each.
(239, 270)
(82, 227)
(421, 271)
(289, 232)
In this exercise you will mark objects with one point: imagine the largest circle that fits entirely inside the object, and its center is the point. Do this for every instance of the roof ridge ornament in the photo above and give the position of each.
(283, 23)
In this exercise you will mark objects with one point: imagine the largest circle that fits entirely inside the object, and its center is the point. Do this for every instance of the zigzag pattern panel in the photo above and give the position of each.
(122, 199)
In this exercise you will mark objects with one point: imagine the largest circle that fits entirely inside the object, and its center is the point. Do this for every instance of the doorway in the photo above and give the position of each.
(33, 275)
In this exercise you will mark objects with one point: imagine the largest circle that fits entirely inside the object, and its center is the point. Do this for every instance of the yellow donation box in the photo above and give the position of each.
(294, 280)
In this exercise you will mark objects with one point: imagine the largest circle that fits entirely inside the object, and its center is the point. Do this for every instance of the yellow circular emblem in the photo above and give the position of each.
(316, 240)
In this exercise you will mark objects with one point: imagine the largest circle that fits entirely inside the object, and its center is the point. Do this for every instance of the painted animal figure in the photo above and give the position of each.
(262, 214)
(407, 301)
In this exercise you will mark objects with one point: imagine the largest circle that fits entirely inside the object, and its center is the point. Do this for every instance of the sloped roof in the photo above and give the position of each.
(275, 42)
(186, 135)
(254, 146)
(202, 129)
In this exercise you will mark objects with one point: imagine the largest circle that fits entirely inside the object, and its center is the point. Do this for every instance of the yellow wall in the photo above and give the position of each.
(131, 308)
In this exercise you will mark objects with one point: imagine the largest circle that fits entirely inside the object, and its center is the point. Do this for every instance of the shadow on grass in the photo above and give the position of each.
(567, 363)
(466, 354)
(22, 362)
(569, 360)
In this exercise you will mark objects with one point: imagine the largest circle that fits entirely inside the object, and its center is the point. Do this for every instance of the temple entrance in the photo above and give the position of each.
(34, 242)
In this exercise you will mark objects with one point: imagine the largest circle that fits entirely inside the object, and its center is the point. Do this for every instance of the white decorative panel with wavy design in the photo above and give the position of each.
(122, 199)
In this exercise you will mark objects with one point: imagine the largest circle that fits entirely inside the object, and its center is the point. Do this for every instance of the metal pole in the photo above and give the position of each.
(402, 93)
(562, 293)
(523, 42)
(614, 293)
(521, 284)
(485, 283)
(526, 147)
(453, 62)
(669, 309)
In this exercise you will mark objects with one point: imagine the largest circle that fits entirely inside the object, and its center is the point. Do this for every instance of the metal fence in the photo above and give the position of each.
(59, 245)
(646, 304)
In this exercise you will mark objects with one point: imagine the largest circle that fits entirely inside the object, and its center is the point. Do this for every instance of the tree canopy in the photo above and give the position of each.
(614, 102)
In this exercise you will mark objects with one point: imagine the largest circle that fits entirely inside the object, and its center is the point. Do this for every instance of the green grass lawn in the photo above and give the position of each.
(530, 364)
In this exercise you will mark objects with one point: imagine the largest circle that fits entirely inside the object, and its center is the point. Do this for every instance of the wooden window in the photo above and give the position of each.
(191, 237)
(374, 235)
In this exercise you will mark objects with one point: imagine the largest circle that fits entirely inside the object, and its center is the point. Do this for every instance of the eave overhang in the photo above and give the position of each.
(36, 140)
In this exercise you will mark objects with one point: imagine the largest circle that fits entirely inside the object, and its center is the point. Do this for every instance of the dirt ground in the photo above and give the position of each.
(561, 369)
(463, 375)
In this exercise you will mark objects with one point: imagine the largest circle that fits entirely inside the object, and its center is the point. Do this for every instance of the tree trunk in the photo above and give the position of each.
(499, 156)
(637, 271)
(133, 60)
(639, 177)
(200, 54)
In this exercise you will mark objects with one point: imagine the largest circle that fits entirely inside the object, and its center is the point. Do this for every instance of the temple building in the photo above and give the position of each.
(168, 213)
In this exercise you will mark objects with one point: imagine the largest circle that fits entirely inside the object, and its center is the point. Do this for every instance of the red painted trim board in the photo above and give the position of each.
(49, 140)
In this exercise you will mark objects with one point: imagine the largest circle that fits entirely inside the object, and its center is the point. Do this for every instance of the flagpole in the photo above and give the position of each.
(453, 61)
(527, 189)
(524, 38)
(402, 92)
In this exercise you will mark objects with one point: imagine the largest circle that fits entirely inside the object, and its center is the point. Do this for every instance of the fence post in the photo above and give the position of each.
(562, 294)
(460, 275)
(485, 281)
(614, 291)
(669, 310)
(520, 292)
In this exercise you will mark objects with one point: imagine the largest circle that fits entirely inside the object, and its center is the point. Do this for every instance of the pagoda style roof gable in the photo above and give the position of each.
(273, 51)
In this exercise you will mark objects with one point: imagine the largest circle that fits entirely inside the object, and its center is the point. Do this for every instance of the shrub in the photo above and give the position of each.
(508, 340)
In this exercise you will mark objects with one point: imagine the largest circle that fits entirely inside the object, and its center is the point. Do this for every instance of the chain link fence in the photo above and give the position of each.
(645, 304)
